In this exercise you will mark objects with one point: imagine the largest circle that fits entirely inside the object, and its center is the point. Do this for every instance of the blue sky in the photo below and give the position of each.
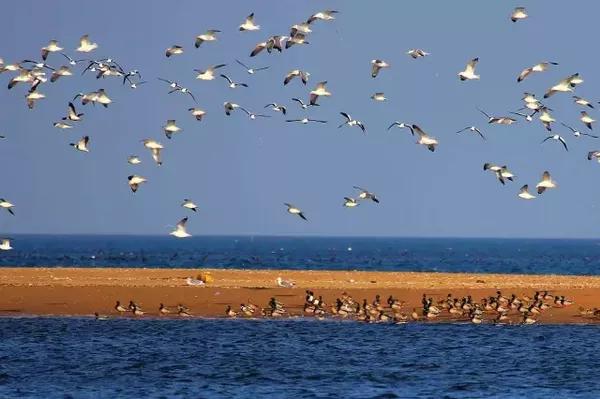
(240, 171)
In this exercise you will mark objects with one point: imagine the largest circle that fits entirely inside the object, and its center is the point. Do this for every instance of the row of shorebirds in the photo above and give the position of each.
(498, 309)
(33, 73)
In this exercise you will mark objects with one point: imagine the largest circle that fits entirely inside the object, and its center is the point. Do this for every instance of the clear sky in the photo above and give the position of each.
(241, 171)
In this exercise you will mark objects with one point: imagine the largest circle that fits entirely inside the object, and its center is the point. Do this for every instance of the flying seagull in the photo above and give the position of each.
(155, 149)
(424, 139)
(208, 73)
(499, 120)
(189, 204)
(208, 36)
(546, 183)
(351, 122)
(594, 154)
(7, 205)
(587, 120)
(501, 172)
(82, 144)
(296, 73)
(134, 182)
(229, 107)
(557, 138)
(524, 193)
(297, 38)
(472, 129)
(251, 71)
(252, 115)
(134, 160)
(402, 125)
(277, 108)
(565, 85)
(232, 84)
(541, 67)
(85, 45)
(249, 24)
(350, 202)
(327, 15)
(379, 96)
(180, 230)
(577, 133)
(582, 101)
(546, 118)
(303, 105)
(72, 114)
(52, 47)
(176, 87)
(366, 194)
(304, 121)
(171, 128)
(469, 72)
(518, 14)
(318, 91)
(174, 50)
(62, 71)
(417, 53)
(197, 113)
(294, 211)
(376, 66)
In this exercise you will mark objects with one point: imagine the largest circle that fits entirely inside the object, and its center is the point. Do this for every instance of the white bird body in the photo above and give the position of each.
(85, 45)
(249, 24)
(524, 193)
(180, 230)
(545, 183)
(469, 72)
(5, 245)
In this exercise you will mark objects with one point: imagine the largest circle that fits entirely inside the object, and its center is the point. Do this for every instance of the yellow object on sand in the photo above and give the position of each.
(206, 277)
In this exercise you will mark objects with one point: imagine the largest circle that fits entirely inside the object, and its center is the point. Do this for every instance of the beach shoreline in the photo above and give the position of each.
(85, 291)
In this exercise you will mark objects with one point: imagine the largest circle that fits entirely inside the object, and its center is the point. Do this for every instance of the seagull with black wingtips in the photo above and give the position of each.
(402, 125)
(582, 101)
(303, 105)
(7, 205)
(473, 129)
(51, 47)
(558, 138)
(189, 204)
(586, 119)
(171, 128)
(546, 183)
(565, 85)
(376, 66)
(176, 87)
(541, 67)
(59, 72)
(304, 121)
(86, 45)
(249, 24)
(251, 71)
(277, 108)
(155, 149)
(351, 122)
(296, 73)
(197, 113)
(417, 53)
(469, 72)
(326, 15)
(525, 194)
(252, 115)
(72, 114)
(499, 120)
(174, 50)
(208, 36)
(293, 210)
(232, 84)
(318, 91)
(134, 182)
(208, 73)
(180, 230)
(82, 144)
(424, 139)
(518, 14)
(365, 194)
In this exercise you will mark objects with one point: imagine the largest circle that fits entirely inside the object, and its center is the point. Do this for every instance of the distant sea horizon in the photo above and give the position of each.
(579, 256)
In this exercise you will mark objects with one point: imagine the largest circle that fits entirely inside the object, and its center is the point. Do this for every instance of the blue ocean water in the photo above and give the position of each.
(126, 358)
(341, 253)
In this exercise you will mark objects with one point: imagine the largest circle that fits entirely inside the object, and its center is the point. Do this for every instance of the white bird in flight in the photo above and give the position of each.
(525, 194)
(424, 139)
(189, 204)
(251, 71)
(82, 144)
(469, 72)
(541, 67)
(249, 24)
(558, 138)
(134, 182)
(352, 122)
(7, 205)
(295, 211)
(473, 129)
(208, 36)
(86, 45)
(376, 66)
(518, 14)
(208, 73)
(318, 91)
(5, 244)
(180, 229)
(545, 183)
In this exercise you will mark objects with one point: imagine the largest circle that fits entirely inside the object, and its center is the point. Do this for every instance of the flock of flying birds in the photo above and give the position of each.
(34, 74)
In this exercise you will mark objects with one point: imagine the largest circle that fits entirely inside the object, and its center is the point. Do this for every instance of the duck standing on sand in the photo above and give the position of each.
(120, 308)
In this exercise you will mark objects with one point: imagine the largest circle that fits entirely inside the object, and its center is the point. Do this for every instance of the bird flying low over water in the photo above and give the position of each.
(189, 204)
(499, 120)
(291, 209)
(134, 182)
(352, 122)
(469, 72)
(541, 67)
(174, 50)
(472, 129)
(208, 73)
(565, 85)
(318, 91)
(86, 45)
(558, 138)
(251, 71)
(197, 113)
(180, 230)
(518, 14)
(249, 24)
(417, 53)
(366, 194)
(376, 66)
(587, 120)
(208, 36)
(7, 205)
(82, 144)
(5, 244)
(524, 193)
(424, 139)
(545, 183)
(296, 73)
